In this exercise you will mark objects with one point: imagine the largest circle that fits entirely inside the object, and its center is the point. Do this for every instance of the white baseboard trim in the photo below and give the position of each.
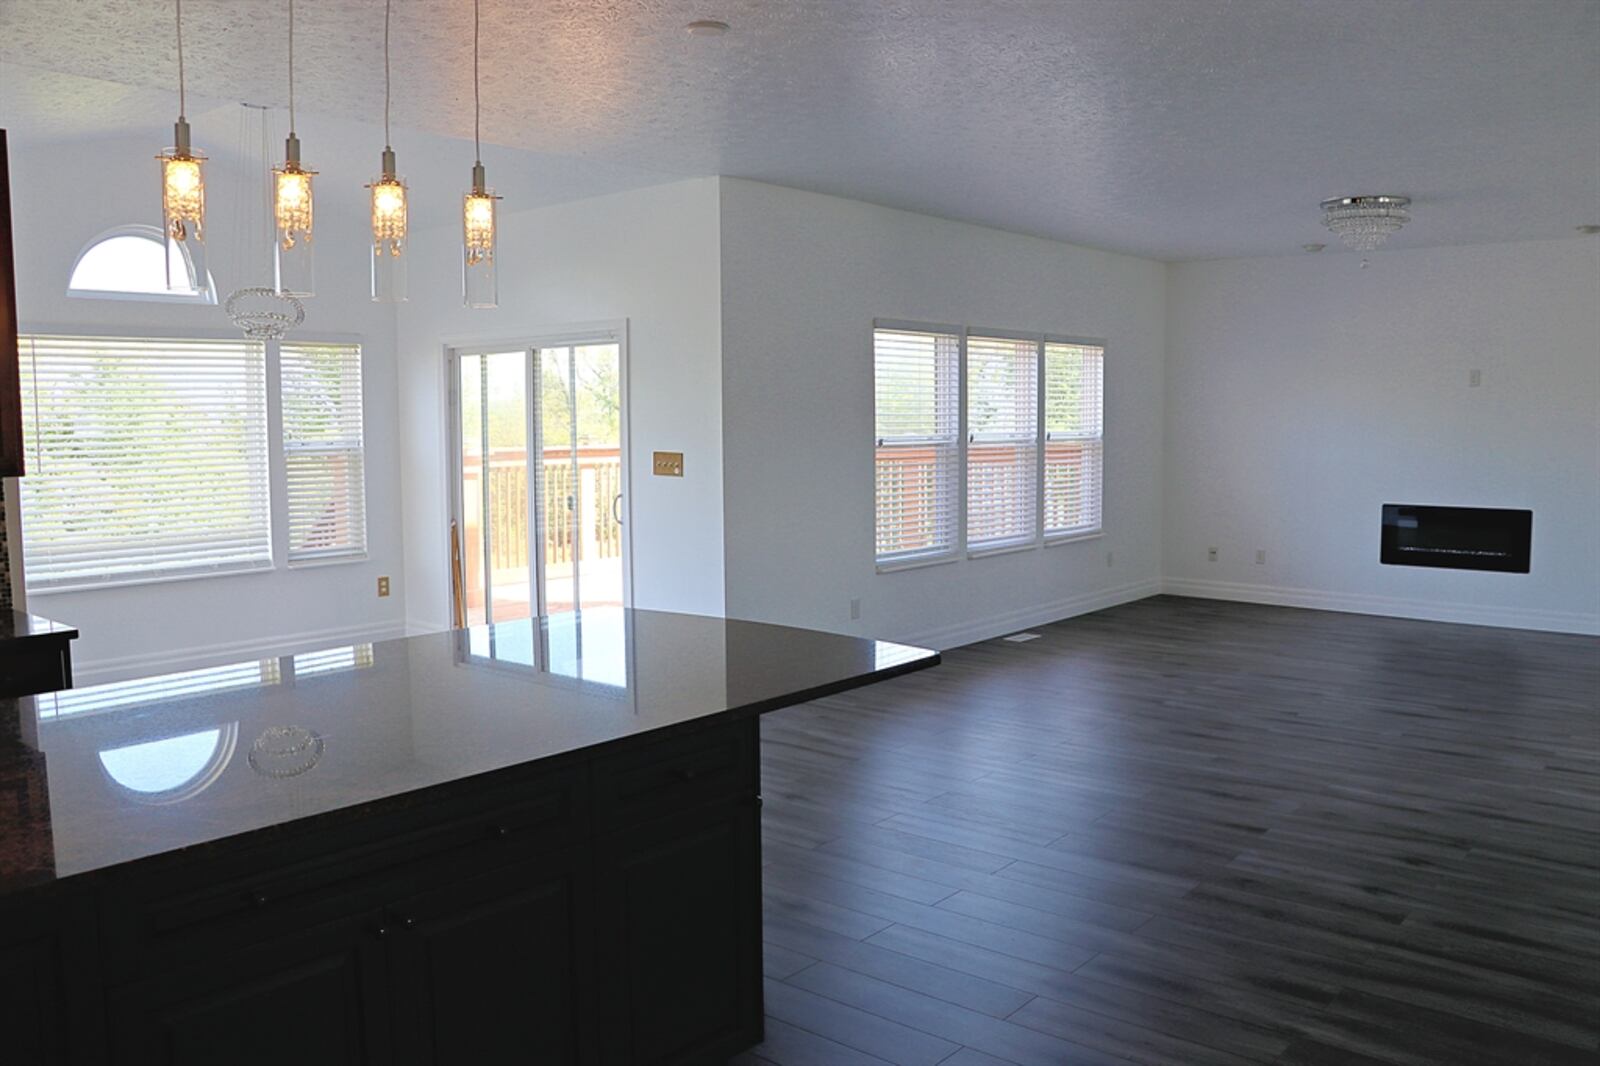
(98, 671)
(1389, 606)
(416, 627)
(970, 631)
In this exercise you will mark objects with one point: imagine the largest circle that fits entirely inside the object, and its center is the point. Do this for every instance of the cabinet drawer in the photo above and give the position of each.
(186, 910)
(675, 774)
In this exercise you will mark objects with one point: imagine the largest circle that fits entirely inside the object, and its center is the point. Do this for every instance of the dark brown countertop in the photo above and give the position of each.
(20, 625)
(116, 773)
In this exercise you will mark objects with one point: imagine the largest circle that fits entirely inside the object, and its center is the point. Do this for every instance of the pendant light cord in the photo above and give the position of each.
(477, 147)
(386, 6)
(181, 102)
(291, 68)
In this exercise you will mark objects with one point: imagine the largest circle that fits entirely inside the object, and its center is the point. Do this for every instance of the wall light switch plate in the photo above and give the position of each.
(667, 464)
(383, 586)
(1211, 554)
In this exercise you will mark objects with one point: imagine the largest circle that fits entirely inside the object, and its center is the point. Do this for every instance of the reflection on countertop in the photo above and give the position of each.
(118, 772)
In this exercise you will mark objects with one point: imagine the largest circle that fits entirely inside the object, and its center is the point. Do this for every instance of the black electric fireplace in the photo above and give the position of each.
(1460, 538)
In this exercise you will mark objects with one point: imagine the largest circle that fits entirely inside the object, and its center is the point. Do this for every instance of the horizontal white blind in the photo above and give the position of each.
(206, 681)
(916, 391)
(322, 445)
(1074, 451)
(1002, 441)
(146, 459)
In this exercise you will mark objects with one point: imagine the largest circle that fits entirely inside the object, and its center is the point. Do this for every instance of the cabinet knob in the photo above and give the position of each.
(408, 922)
(688, 773)
(259, 899)
(381, 931)
(500, 832)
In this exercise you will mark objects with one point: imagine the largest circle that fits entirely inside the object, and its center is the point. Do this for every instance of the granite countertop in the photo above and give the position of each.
(20, 625)
(95, 777)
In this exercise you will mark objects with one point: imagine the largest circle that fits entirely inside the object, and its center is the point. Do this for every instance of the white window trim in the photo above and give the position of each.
(277, 466)
(278, 461)
(1069, 535)
(1040, 538)
(919, 560)
(1013, 544)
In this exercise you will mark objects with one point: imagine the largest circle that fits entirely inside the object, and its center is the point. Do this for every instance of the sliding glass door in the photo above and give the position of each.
(539, 480)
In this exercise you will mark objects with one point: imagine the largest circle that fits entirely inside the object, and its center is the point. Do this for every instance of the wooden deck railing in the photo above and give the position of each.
(591, 488)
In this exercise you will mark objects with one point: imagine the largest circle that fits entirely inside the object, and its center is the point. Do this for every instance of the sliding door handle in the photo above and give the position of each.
(616, 508)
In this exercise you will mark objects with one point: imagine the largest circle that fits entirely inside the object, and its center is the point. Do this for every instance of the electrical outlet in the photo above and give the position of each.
(1261, 556)
(1474, 378)
(383, 586)
(855, 608)
(1110, 558)
(1211, 555)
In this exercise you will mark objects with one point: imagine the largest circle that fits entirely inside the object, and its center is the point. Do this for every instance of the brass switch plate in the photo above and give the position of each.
(667, 464)
(383, 586)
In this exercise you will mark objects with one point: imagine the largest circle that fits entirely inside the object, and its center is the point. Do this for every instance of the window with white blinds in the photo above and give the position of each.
(322, 445)
(1021, 465)
(146, 459)
(916, 392)
(1002, 442)
(1073, 451)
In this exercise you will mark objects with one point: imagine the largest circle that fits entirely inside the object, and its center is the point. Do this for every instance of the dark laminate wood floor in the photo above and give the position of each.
(1190, 832)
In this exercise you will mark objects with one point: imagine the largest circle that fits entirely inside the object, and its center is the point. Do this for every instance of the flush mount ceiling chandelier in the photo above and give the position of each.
(1365, 222)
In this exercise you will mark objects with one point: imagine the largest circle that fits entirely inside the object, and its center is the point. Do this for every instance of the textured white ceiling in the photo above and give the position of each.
(1172, 128)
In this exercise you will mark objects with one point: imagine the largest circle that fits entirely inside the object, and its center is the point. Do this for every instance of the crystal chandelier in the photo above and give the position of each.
(183, 188)
(1365, 222)
(479, 283)
(295, 266)
(388, 207)
(267, 309)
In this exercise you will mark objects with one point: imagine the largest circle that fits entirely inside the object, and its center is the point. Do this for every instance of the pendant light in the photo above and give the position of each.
(480, 283)
(388, 206)
(294, 259)
(183, 193)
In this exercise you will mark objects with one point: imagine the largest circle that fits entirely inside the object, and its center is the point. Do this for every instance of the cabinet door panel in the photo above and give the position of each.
(679, 904)
(492, 969)
(48, 995)
(312, 998)
(32, 1004)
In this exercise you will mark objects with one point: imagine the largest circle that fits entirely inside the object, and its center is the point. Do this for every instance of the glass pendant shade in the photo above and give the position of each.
(388, 234)
(183, 207)
(294, 256)
(480, 282)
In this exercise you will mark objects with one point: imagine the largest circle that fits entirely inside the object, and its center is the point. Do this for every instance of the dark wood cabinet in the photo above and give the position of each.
(35, 653)
(604, 911)
(315, 996)
(34, 997)
(682, 936)
(496, 968)
(48, 985)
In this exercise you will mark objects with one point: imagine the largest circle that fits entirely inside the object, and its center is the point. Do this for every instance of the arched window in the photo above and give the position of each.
(129, 263)
(172, 769)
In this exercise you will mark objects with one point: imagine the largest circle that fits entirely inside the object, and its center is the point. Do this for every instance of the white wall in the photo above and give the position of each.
(803, 278)
(1303, 393)
(66, 193)
(650, 256)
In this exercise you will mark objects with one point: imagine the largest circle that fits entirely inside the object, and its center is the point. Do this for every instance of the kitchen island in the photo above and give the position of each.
(531, 842)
